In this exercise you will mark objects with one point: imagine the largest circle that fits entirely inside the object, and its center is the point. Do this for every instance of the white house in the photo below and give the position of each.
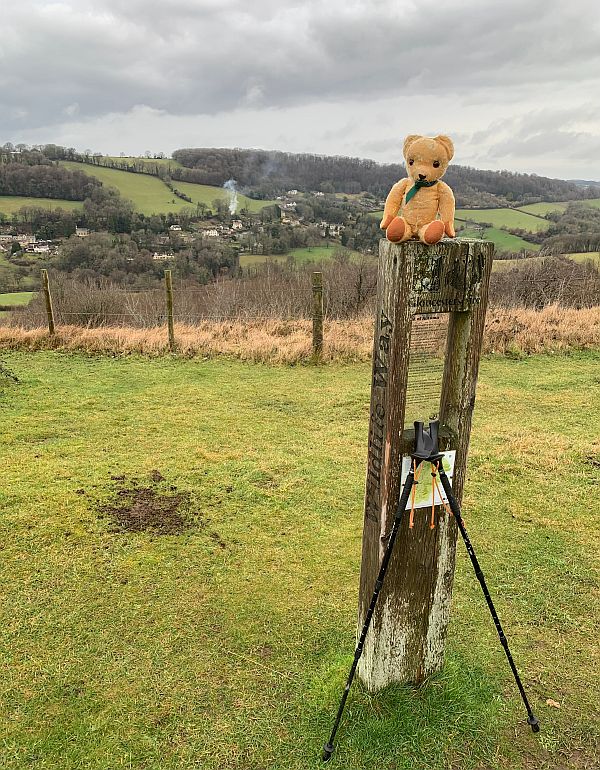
(175, 228)
(292, 192)
(162, 257)
(82, 232)
(211, 233)
(41, 248)
(237, 224)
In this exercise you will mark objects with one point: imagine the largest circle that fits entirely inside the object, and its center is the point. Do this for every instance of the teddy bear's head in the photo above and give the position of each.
(427, 157)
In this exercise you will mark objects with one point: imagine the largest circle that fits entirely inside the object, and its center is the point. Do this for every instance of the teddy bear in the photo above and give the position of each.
(426, 203)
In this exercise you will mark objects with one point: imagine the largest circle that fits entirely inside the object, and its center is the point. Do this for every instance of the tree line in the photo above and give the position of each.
(270, 173)
(45, 181)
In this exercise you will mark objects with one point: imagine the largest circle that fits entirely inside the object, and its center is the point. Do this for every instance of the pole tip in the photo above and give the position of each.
(534, 723)
(327, 752)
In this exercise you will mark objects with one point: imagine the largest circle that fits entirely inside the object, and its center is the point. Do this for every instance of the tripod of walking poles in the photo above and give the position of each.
(426, 451)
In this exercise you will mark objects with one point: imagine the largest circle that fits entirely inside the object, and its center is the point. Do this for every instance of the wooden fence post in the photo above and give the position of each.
(169, 290)
(407, 637)
(317, 314)
(49, 309)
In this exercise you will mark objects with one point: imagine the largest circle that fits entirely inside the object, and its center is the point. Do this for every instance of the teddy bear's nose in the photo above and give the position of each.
(422, 176)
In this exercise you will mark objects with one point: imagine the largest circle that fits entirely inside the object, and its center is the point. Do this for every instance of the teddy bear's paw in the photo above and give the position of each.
(433, 232)
(396, 232)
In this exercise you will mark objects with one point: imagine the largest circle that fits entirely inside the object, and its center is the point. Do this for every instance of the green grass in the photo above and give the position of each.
(9, 204)
(16, 298)
(585, 256)
(203, 193)
(150, 195)
(500, 238)
(595, 202)
(300, 255)
(227, 646)
(543, 208)
(499, 218)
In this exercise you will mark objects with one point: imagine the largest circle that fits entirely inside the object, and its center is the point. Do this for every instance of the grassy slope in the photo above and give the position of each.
(11, 203)
(16, 298)
(541, 209)
(151, 196)
(300, 255)
(228, 646)
(505, 218)
(500, 238)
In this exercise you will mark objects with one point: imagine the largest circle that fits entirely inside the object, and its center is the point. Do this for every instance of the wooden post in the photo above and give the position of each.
(49, 309)
(169, 289)
(317, 290)
(407, 637)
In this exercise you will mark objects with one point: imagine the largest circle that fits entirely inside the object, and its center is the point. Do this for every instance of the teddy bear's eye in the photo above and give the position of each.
(436, 164)
(410, 162)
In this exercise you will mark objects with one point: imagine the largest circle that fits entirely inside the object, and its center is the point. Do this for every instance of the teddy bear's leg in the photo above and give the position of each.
(399, 230)
(432, 232)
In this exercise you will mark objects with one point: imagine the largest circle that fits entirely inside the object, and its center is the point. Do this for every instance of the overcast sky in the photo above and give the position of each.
(516, 83)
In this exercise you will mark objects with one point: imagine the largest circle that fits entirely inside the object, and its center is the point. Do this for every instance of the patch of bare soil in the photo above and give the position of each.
(138, 507)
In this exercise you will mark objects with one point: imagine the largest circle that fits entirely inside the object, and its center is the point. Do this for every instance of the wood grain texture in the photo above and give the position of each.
(407, 637)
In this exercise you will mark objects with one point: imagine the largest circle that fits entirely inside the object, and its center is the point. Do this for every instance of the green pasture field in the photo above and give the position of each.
(541, 209)
(300, 255)
(584, 256)
(203, 193)
(9, 204)
(16, 298)
(500, 238)
(227, 646)
(595, 202)
(505, 218)
(150, 195)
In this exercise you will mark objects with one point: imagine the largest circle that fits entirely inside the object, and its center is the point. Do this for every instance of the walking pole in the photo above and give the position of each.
(532, 720)
(408, 485)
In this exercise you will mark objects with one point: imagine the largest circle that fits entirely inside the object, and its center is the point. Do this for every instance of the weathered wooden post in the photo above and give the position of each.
(415, 284)
(169, 290)
(48, 298)
(317, 314)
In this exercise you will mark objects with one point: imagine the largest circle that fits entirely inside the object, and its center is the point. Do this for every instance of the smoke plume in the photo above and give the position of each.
(230, 186)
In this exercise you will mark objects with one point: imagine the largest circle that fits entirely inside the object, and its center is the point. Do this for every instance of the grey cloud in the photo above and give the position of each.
(203, 58)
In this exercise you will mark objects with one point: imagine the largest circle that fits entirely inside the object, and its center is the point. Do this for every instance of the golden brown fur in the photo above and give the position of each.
(430, 213)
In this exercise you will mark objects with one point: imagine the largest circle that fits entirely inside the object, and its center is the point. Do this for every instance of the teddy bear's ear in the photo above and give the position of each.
(408, 141)
(446, 143)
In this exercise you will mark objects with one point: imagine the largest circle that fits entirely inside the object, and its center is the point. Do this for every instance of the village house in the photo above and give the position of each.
(331, 229)
(175, 228)
(237, 224)
(157, 257)
(292, 192)
(211, 232)
(82, 232)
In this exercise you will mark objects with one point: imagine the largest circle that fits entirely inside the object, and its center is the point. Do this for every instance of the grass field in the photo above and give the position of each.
(151, 196)
(500, 238)
(202, 193)
(227, 646)
(300, 255)
(9, 204)
(584, 256)
(16, 298)
(541, 209)
(505, 218)
(13, 299)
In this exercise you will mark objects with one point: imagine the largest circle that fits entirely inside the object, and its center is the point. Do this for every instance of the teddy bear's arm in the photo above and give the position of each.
(447, 208)
(393, 202)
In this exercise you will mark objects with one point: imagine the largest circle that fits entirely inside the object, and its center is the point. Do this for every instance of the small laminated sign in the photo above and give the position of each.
(423, 496)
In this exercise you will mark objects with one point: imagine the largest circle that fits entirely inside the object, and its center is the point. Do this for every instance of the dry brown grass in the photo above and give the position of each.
(512, 331)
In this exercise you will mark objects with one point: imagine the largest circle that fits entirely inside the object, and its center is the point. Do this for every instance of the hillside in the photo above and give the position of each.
(271, 173)
(150, 195)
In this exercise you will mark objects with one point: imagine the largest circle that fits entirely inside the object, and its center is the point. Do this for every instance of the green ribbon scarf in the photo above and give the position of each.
(413, 190)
